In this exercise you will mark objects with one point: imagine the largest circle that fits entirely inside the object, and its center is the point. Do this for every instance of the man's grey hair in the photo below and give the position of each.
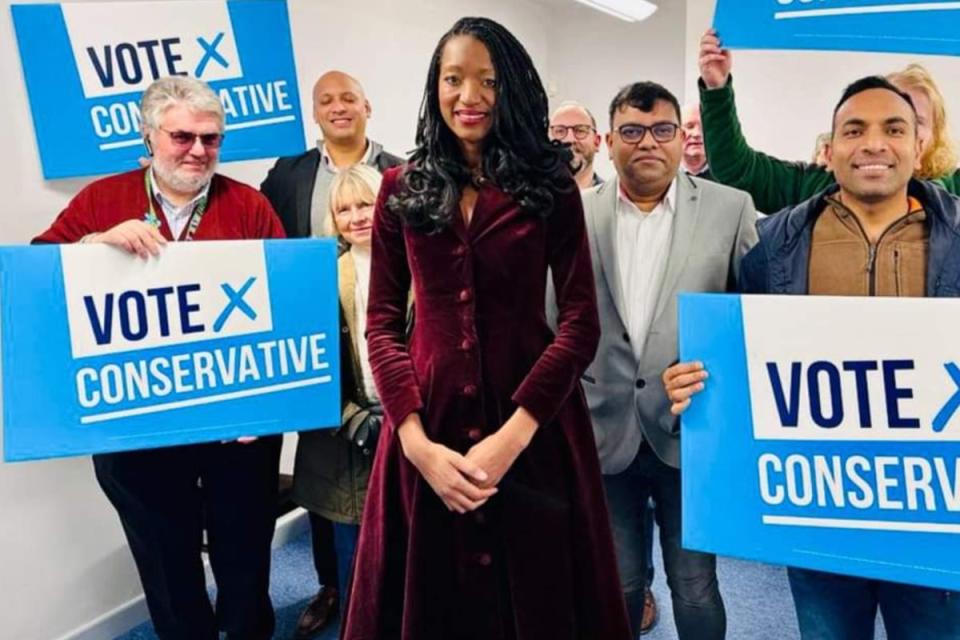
(574, 103)
(171, 91)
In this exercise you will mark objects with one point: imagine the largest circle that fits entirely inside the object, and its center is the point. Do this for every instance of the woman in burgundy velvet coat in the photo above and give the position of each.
(485, 516)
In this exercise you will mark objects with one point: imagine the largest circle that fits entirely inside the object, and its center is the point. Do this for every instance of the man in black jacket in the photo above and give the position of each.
(298, 186)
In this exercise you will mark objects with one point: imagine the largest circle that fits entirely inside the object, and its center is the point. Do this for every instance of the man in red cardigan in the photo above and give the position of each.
(166, 497)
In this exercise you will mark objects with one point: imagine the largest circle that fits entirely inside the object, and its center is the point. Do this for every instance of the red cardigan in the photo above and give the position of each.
(235, 211)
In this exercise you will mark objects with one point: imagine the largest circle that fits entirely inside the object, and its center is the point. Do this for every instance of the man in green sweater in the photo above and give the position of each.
(776, 184)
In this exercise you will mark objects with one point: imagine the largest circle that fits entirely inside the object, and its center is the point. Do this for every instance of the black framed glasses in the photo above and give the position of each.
(188, 138)
(580, 131)
(661, 132)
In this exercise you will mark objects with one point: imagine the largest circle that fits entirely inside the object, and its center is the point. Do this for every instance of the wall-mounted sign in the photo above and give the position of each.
(896, 26)
(86, 66)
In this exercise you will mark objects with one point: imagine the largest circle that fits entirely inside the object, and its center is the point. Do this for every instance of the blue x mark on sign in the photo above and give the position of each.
(210, 53)
(943, 416)
(235, 301)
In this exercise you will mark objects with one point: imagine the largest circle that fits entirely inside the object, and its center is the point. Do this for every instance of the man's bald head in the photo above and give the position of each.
(573, 108)
(333, 80)
(340, 108)
(567, 120)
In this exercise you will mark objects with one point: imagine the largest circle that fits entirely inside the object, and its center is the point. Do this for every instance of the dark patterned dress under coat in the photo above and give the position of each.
(537, 560)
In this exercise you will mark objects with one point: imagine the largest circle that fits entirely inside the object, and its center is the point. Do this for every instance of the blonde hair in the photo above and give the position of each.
(939, 158)
(359, 183)
(822, 141)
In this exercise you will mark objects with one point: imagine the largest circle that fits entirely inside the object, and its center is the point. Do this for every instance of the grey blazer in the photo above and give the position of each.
(713, 227)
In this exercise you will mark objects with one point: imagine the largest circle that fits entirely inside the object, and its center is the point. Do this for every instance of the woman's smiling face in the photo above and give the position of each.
(467, 92)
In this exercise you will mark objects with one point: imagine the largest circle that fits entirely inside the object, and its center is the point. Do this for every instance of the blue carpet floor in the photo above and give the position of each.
(757, 598)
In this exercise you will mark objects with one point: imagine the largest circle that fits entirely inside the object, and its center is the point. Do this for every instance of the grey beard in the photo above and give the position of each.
(185, 185)
(577, 167)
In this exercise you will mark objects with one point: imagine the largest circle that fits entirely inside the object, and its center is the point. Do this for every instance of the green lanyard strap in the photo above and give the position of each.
(150, 217)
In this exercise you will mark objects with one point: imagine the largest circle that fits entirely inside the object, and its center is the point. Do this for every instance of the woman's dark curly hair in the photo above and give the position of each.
(517, 156)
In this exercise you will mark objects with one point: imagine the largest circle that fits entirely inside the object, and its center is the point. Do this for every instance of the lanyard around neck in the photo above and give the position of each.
(150, 217)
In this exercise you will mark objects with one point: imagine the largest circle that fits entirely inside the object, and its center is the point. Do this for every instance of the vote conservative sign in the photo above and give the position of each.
(827, 436)
(211, 341)
(86, 65)
(898, 26)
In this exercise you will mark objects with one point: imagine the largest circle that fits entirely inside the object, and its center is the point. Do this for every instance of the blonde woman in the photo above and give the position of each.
(939, 158)
(332, 466)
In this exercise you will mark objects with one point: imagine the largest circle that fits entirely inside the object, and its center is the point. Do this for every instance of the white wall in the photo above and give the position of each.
(786, 98)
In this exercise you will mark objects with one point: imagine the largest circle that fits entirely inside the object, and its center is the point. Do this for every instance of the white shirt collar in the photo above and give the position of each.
(668, 203)
(166, 202)
(328, 161)
(703, 169)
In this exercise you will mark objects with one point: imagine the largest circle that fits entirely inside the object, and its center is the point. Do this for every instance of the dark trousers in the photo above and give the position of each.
(835, 607)
(324, 550)
(692, 576)
(648, 542)
(165, 498)
(334, 546)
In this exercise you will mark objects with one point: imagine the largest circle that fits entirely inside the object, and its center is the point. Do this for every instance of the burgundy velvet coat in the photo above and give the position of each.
(537, 560)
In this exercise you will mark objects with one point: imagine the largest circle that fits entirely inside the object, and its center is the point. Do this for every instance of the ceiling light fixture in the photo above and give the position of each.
(629, 10)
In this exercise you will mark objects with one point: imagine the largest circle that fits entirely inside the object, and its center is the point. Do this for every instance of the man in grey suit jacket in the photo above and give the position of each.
(654, 233)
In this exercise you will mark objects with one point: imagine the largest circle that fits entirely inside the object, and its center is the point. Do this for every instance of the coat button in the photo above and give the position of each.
(626, 337)
(475, 434)
(464, 295)
(470, 390)
(484, 559)
(641, 383)
(465, 344)
(459, 251)
(479, 517)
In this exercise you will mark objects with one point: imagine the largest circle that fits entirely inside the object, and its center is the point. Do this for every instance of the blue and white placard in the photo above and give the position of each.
(828, 434)
(211, 341)
(896, 26)
(86, 65)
